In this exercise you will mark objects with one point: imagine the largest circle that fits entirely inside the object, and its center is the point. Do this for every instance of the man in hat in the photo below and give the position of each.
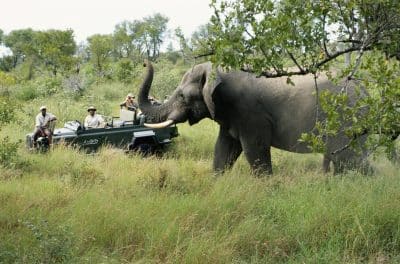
(130, 103)
(93, 120)
(42, 125)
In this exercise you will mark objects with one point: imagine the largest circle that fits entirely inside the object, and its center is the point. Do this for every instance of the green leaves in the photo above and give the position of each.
(51, 48)
(305, 33)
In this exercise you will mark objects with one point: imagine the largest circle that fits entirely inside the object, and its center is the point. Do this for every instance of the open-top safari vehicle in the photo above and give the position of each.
(126, 131)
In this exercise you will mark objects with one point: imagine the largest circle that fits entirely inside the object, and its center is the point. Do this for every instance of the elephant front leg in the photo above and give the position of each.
(258, 154)
(227, 150)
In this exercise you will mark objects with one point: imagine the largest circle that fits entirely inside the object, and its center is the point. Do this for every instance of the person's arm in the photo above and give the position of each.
(86, 123)
(48, 118)
(37, 121)
(53, 117)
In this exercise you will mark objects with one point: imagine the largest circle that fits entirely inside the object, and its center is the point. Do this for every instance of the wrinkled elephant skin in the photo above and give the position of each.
(254, 114)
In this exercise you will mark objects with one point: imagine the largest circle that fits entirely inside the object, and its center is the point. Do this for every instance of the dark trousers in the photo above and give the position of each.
(42, 132)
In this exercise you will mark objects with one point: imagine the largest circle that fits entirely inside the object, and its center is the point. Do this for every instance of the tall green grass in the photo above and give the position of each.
(110, 207)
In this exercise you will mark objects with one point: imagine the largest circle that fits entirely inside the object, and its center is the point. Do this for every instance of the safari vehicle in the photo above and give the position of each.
(126, 131)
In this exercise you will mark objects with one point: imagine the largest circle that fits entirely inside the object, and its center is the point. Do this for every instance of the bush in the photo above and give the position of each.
(53, 244)
(75, 84)
(8, 152)
(6, 80)
(166, 79)
(26, 91)
(7, 110)
(124, 71)
(48, 85)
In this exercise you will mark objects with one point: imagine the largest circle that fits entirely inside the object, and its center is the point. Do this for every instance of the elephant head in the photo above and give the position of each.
(191, 101)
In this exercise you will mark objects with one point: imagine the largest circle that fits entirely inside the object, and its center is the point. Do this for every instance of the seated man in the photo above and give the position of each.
(93, 120)
(130, 103)
(42, 125)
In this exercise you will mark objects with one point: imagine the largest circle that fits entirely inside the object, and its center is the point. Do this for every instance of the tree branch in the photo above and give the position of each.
(324, 40)
(295, 62)
(308, 70)
(204, 55)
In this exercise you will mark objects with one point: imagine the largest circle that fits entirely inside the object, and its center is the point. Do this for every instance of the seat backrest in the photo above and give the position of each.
(126, 115)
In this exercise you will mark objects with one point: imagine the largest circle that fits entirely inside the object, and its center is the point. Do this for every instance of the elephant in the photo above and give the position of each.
(394, 156)
(254, 114)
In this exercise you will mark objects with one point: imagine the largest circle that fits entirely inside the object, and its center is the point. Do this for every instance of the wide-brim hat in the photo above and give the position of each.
(42, 107)
(91, 108)
(130, 95)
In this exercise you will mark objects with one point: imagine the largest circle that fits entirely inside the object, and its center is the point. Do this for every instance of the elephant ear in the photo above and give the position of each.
(208, 88)
(201, 75)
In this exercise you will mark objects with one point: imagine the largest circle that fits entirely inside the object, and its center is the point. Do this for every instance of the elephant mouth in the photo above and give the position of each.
(193, 121)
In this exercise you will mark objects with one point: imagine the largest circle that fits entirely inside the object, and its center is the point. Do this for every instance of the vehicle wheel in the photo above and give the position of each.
(145, 149)
(42, 144)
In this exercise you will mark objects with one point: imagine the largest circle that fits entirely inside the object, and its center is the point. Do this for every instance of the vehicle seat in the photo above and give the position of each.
(126, 115)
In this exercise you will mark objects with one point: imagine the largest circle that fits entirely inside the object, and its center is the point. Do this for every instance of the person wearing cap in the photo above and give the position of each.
(130, 102)
(93, 120)
(42, 125)
(153, 100)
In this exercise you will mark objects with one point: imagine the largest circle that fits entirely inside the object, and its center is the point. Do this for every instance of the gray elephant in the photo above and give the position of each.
(254, 114)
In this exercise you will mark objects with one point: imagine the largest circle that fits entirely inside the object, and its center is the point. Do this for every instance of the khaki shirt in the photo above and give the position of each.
(94, 121)
(43, 121)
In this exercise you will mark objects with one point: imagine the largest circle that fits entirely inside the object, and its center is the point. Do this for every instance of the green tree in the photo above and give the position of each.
(153, 32)
(185, 47)
(55, 49)
(137, 30)
(20, 42)
(100, 50)
(123, 40)
(266, 37)
(6, 63)
(264, 34)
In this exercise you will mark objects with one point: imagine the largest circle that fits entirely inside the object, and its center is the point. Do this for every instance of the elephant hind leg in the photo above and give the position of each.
(326, 164)
(355, 162)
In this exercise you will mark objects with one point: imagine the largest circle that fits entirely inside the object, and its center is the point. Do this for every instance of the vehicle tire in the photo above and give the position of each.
(42, 144)
(145, 149)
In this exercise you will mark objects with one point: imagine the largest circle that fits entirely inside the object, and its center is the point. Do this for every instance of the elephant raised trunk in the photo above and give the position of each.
(156, 115)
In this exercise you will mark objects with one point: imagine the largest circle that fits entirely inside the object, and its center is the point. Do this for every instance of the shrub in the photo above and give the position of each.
(54, 244)
(48, 85)
(6, 80)
(124, 71)
(8, 152)
(75, 84)
(26, 91)
(166, 79)
(7, 110)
